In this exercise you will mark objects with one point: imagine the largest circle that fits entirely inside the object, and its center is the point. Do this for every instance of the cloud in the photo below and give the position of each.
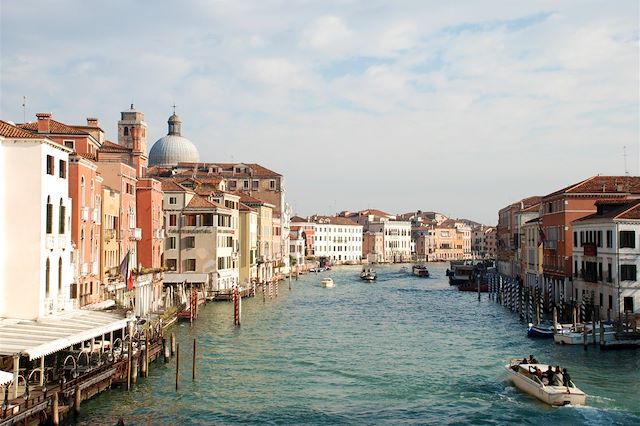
(326, 32)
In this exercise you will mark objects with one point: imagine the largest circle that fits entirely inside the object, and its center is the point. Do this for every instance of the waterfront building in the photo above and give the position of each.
(302, 228)
(606, 258)
(531, 257)
(373, 246)
(490, 242)
(522, 217)
(337, 239)
(558, 210)
(110, 255)
(396, 234)
(150, 218)
(201, 224)
(508, 234)
(36, 266)
(482, 242)
(85, 190)
(248, 242)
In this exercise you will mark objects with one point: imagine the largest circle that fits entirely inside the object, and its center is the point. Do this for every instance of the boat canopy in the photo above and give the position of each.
(51, 334)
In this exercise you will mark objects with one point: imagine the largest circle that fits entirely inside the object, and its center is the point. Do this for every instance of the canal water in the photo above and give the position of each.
(401, 350)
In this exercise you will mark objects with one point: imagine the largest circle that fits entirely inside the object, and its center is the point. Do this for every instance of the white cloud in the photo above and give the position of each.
(326, 32)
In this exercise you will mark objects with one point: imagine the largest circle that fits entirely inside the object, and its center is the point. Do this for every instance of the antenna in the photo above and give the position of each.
(24, 109)
(624, 154)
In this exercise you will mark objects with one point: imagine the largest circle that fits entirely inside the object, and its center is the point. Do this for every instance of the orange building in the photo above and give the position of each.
(558, 210)
(150, 220)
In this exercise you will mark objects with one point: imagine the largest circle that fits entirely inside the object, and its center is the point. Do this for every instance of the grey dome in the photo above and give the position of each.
(171, 150)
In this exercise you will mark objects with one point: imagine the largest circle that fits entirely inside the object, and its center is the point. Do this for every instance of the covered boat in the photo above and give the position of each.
(368, 275)
(420, 271)
(524, 377)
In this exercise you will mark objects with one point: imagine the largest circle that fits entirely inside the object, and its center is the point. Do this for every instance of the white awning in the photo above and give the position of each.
(5, 378)
(189, 278)
(51, 334)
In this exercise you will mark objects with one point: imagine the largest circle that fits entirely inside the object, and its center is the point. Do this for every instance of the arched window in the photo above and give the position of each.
(81, 254)
(46, 279)
(82, 195)
(93, 194)
(49, 216)
(62, 217)
(91, 248)
(60, 275)
(126, 131)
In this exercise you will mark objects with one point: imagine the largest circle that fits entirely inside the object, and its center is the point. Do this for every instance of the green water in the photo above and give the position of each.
(401, 350)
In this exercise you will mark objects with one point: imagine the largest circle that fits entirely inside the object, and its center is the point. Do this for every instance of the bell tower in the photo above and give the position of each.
(132, 134)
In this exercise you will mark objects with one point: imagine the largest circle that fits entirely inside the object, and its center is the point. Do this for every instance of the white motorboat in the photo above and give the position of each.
(524, 378)
(368, 275)
(575, 335)
(326, 283)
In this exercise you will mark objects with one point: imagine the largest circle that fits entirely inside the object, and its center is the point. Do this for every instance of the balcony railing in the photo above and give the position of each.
(84, 213)
(63, 240)
(109, 234)
(158, 234)
(50, 242)
(136, 234)
(550, 244)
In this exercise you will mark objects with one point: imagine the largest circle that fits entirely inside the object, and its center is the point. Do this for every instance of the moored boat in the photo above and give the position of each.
(524, 377)
(326, 283)
(460, 273)
(420, 271)
(576, 335)
(544, 329)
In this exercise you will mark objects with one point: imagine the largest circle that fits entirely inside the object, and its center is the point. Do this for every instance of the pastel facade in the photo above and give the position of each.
(150, 217)
(35, 269)
(110, 256)
(606, 259)
(248, 241)
(338, 239)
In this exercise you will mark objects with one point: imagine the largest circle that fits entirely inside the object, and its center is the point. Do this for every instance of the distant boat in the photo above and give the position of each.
(326, 283)
(460, 273)
(524, 378)
(317, 269)
(420, 271)
(369, 275)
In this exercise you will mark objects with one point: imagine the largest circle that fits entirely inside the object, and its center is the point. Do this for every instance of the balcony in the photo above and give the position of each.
(109, 234)
(550, 245)
(96, 216)
(63, 241)
(84, 214)
(94, 268)
(136, 234)
(84, 270)
(50, 242)
(158, 234)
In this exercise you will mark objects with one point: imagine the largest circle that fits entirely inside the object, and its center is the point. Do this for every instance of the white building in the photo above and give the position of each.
(35, 225)
(606, 259)
(336, 238)
(202, 235)
(396, 237)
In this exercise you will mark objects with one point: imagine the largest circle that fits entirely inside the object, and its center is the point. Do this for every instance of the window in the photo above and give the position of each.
(610, 302)
(47, 278)
(70, 144)
(49, 216)
(126, 131)
(173, 200)
(609, 270)
(63, 169)
(627, 239)
(49, 164)
(171, 264)
(207, 219)
(171, 243)
(190, 242)
(62, 218)
(599, 238)
(628, 272)
(245, 184)
(628, 304)
(172, 220)
(232, 185)
(190, 265)
(609, 238)
(575, 238)
(82, 194)
(254, 184)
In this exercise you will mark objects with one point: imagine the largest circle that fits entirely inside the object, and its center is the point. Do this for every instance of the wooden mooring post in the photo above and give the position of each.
(173, 343)
(166, 349)
(55, 415)
(193, 372)
(77, 399)
(177, 364)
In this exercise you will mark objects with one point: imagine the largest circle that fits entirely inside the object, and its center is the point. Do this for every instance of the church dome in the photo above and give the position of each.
(174, 148)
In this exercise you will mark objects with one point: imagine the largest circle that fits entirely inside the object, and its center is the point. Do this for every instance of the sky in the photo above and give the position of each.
(461, 107)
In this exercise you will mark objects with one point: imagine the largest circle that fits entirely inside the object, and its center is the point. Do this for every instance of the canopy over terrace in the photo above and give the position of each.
(51, 334)
(5, 378)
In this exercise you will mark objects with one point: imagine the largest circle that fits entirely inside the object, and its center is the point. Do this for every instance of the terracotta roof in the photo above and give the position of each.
(55, 127)
(108, 146)
(245, 208)
(602, 185)
(532, 207)
(628, 210)
(198, 202)
(229, 169)
(333, 220)
(11, 131)
(86, 155)
(169, 185)
(298, 219)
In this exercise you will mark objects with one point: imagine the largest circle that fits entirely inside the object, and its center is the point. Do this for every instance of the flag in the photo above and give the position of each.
(541, 235)
(125, 271)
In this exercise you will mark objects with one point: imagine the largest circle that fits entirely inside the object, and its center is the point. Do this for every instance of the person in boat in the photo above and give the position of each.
(532, 360)
(558, 379)
(548, 374)
(566, 378)
(524, 361)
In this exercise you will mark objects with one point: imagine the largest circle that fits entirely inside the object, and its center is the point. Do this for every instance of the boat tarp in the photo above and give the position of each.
(54, 333)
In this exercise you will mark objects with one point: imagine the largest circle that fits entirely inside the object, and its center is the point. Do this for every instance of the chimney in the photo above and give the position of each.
(92, 122)
(44, 122)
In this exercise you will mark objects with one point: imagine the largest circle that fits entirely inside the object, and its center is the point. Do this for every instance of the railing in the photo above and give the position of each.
(550, 244)
(63, 241)
(50, 242)
(84, 213)
(136, 234)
